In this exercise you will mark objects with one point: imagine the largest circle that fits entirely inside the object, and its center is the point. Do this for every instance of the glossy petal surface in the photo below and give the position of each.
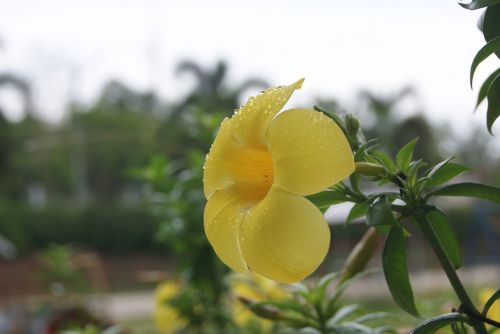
(284, 237)
(223, 216)
(309, 151)
(243, 134)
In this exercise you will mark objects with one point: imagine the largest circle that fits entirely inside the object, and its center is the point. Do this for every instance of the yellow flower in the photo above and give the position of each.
(166, 317)
(494, 311)
(259, 167)
(253, 288)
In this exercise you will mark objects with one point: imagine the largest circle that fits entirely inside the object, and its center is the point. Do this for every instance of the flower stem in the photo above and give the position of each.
(367, 168)
(448, 268)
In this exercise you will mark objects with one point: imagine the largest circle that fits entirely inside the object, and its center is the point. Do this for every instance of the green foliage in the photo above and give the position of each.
(317, 308)
(391, 210)
(477, 190)
(404, 155)
(100, 226)
(446, 235)
(380, 213)
(490, 27)
(486, 51)
(58, 267)
(432, 325)
(396, 271)
(477, 4)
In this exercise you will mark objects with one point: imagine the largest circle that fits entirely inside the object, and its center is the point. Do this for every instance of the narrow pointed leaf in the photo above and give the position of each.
(444, 173)
(327, 198)
(493, 111)
(477, 190)
(446, 235)
(477, 4)
(405, 154)
(343, 313)
(357, 211)
(396, 271)
(483, 91)
(483, 53)
(490, 26)
(432, 325)
(384, 160)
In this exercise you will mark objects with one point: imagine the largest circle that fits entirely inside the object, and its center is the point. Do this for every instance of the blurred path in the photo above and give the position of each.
(130, 306)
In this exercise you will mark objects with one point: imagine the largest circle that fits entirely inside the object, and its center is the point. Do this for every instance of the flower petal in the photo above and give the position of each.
(251, 121)
(224, 213)
(284, 237)
(244, 131)
(310, 152)
(216, 175)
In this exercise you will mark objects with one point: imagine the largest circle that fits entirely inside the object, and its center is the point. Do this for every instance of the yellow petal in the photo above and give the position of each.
(216, 173)
(250, 122)
(241, 138)
(223, 215)
(284, 237)
(309, 151)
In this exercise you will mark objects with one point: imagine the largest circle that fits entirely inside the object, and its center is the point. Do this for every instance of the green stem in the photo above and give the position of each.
(449, 269)
(367, 168)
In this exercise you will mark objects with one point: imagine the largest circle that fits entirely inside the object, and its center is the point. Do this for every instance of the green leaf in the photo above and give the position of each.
(483, 53)
(384, 160)
(446, 236)
(494, 297)
(490, 26)
(383, 229)
(444, 172)
(485, 87)
(372, 316)
(325, 199)
(477, 4)
(365, 148)
(432, 325)
(357, 211)
(396, 271)
(405, 154)
(477, 190)
(380, 213)
(493, 111)
(343, 313)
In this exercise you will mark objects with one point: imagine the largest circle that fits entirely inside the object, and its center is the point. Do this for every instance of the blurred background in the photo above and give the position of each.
(107, 109)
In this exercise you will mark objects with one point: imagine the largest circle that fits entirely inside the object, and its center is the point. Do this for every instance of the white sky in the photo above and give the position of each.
(71, 48)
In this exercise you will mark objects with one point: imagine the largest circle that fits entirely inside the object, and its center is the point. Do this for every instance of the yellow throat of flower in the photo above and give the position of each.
(254, 174)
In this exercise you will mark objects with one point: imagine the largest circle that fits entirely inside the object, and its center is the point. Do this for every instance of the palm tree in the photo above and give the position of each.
(211, 90)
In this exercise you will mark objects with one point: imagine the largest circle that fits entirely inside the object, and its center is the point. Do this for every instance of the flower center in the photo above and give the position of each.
(253, 173)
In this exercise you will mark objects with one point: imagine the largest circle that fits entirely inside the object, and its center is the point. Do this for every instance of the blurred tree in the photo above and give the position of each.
(211, 95)
(394, 131)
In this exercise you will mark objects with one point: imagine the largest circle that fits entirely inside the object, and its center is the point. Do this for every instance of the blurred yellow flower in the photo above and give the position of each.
(253, 288)
(259, 167)
(166, 317)
(494, 311)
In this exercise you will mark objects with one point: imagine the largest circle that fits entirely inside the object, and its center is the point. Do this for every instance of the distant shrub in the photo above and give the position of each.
(100, 226)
